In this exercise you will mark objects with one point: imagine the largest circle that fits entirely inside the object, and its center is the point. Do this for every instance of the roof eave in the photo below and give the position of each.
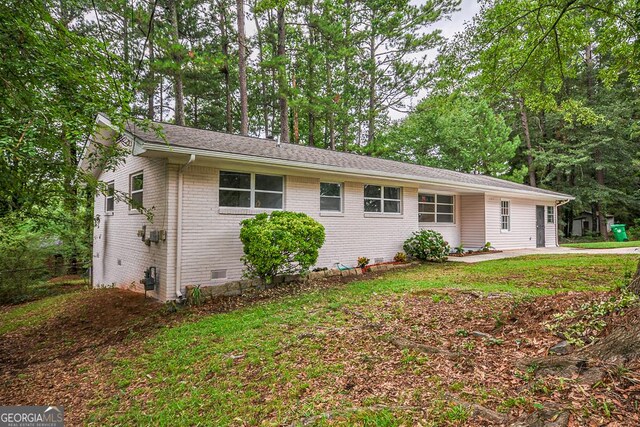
(142, 146)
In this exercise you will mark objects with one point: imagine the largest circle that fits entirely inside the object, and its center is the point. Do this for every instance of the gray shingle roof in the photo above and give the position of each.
(191, 138)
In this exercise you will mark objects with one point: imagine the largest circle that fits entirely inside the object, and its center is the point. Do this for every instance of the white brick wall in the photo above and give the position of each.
(119, 255)
(210, 235)
(210, 239)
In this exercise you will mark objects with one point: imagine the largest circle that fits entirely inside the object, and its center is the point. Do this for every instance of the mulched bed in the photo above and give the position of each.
(463, 254)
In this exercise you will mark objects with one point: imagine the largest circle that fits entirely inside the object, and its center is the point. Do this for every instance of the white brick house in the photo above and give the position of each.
(200, 184)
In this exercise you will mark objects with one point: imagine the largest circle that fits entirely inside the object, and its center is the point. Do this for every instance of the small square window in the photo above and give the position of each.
(330, 197)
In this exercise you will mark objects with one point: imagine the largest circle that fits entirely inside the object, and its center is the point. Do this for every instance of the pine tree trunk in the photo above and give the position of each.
(178, 89)
(282, 78)
(372, 90)
(152, 85)
(263, 83)
(242, 70)
(225, 68)
(527, 139)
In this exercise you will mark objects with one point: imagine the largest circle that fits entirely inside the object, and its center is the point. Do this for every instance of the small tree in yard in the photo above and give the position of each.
(280, 243)
(427, 245)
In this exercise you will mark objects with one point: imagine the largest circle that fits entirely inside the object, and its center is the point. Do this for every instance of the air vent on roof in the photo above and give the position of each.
(218, 274)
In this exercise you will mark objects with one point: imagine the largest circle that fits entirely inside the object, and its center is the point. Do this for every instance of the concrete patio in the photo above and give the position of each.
(472, 259)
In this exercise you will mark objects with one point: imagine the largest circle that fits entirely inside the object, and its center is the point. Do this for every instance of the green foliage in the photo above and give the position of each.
(280, 243)
(363, 261)
(486, 247)
(454, 132)
(582, 326)
(427, 245)
(459, 249)
(400, 257)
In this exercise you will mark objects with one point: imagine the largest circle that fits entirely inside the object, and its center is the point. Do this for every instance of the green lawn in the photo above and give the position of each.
(604, 245)
(264, 364)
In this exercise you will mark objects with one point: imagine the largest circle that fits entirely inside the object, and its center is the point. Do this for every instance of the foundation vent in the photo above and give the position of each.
(378, 260)
(218, 274)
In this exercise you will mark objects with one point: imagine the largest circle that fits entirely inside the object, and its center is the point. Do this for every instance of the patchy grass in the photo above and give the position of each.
(321, 355)
(32, 314)
(604, 245)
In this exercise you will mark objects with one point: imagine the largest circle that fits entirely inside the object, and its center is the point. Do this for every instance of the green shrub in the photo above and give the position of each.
(23, 254)
(634, 231)
(427, 245)
(280, 243)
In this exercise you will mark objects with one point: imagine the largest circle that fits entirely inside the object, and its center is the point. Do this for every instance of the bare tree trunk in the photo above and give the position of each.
(263, 83)
(331, 114)
(527, 139)
(282, 78)
(296, 124)
(151, 91)
(225, 68)
(345, 89)
(372, 90)
(242, 70)
(179, 92)
(601, 216)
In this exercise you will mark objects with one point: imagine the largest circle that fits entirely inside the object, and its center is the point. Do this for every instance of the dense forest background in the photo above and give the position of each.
(543, 93)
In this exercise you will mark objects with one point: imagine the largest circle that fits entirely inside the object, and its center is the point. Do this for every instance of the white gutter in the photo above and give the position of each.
(351, 171)
(179, 227)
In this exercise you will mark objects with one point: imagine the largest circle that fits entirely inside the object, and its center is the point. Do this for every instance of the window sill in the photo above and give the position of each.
(383, 215)
(329, 213)
(505, 231)
(135, 212)
(437, 224)
(110, 213)
(244, 211)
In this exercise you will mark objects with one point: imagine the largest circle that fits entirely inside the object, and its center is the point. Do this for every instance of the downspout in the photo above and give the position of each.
(558, 204)
(179, 227)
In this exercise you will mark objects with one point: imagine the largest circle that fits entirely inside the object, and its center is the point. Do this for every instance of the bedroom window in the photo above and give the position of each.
(136, 186)
(436, 208)
(551, 215)
(109, 199)
(505, 215)
(251, 190)
(330, 197)
(382, 199)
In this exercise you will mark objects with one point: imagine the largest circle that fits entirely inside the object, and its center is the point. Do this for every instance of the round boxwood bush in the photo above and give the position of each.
(427, 245)
(280, 243)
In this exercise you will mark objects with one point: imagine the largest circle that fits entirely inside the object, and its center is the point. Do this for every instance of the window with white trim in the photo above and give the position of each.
(378, 198)
(109, 198)
(136, 193)
(505, 215)
(330, 197)
(551, 215)
(436, 208)
(251, 190)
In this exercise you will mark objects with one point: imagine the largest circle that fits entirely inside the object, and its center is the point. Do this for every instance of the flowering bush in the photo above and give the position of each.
(427, 245)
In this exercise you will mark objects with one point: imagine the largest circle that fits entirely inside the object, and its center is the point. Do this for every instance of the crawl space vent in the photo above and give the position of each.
(378, 260)
(218, 274)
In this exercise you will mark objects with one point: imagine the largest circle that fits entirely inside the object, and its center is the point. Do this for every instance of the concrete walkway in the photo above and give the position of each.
(472, 259)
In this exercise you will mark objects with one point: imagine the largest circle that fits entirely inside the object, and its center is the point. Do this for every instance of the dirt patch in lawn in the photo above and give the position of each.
(436, 352)
(65, 360)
